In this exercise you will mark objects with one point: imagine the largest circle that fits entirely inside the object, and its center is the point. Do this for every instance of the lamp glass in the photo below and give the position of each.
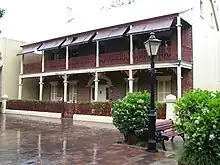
(152, 46)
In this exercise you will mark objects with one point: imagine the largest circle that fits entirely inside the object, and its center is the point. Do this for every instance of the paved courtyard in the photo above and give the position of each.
(36, 140)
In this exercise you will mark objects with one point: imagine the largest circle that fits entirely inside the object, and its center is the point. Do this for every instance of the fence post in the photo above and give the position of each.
(62, 110)
(4, 102)
(170, 111)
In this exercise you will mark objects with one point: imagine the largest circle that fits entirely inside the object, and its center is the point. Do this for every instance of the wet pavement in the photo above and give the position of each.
(26, 140)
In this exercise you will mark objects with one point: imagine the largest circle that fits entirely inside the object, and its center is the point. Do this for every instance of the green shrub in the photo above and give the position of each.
(130, 115)
(198, 116)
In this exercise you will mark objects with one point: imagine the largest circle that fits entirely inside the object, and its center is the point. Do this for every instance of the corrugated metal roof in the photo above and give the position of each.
(163, 24)
(30, 49)
(147, 9)
(83, 38)
(110, 33)
(52, 44)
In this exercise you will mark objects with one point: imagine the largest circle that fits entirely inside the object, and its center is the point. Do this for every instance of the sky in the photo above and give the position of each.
(36, 20)
(31, 20)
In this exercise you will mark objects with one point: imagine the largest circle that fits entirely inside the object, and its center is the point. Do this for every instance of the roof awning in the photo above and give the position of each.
(52, 44)
(78, 39)
(110, 33)
(83, 38)
(69, 40)
(158, 25)
(29, 48)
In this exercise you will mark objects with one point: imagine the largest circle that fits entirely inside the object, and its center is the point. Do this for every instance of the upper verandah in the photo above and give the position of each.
(157, 24)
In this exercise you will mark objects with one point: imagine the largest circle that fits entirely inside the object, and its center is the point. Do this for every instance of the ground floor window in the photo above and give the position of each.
(53, 91)
(163, 87)
(73, 91)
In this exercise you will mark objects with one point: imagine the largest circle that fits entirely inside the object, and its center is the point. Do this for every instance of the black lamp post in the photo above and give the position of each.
(152, 46)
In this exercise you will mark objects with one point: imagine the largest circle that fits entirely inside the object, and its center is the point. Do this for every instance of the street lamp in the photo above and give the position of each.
(152, 46)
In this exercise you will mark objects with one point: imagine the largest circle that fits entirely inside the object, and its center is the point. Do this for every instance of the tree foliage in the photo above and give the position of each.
(198, 116)
(2, 12)
(130, 115)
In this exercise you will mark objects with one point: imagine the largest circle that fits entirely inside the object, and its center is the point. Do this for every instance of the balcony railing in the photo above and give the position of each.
(112, 59)
(32, 68)
(82, 62)
(165, 54)
(55, 65)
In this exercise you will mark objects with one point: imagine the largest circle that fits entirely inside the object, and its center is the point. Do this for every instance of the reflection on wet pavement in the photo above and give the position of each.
(36, 140)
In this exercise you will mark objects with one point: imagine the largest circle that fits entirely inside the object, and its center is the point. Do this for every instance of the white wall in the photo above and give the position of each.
(11, 66)
(206, 70)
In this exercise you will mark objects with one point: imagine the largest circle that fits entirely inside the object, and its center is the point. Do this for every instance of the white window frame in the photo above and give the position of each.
(163, 79)
(201, 8)
(212, 20)
(135, 85)
(56, 56)
(73, 91)
(53, 91)
(93, 87)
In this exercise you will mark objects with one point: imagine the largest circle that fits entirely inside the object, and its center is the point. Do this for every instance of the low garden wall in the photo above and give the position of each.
(32, 105)
(67, 110)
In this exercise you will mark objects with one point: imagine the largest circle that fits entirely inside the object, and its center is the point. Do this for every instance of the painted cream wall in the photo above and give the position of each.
(205, 48)
(30, 89)
(11, 64)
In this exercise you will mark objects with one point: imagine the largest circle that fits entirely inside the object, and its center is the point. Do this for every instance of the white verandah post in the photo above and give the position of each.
(179, 52)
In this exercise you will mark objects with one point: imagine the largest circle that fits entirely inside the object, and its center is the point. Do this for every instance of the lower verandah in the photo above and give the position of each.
(112, 85)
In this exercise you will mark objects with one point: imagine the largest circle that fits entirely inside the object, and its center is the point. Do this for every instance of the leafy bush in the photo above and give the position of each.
(198, 116)
(130, 115)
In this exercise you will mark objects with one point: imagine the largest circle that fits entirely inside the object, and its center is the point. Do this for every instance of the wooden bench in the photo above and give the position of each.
(165, 131)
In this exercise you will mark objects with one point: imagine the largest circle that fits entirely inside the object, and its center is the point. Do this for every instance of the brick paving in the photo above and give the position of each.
(34, 140)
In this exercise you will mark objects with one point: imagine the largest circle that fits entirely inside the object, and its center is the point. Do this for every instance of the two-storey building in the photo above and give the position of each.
(104, 64)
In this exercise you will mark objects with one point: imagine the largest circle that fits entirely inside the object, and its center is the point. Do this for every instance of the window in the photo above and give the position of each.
(93, 93)
(163, 87)
(102, 47)
(211, 19)
(55, 56)
(107, 93)
(73, 91)
(53, 91)
(201, 8)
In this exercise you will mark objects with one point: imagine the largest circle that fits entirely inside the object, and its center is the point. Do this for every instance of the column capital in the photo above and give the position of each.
(178, 25)
(65, 82)
(130, 79)
(65, 77)
(96, 80)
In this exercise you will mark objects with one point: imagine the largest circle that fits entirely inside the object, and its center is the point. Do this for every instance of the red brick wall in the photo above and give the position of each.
(83, 92)
(144, 80)
(118, 90)
(187, 80)
(187, 44)
(187, 37)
